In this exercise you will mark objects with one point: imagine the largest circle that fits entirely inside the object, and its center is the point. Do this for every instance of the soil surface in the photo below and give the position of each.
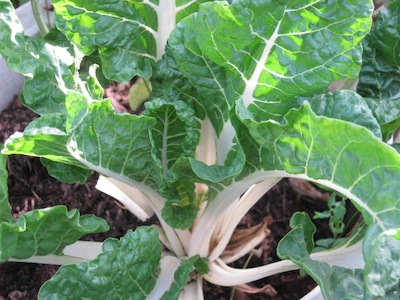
(31, 187)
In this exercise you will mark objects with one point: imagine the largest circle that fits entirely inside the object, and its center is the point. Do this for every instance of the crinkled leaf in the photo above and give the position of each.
(176, 132)
(378, 78)
(175, 135)
(179, 216)
(45, 137)
(98, 139)
(387, 32)
(117, 145)
(387, 113)
(380, 75)
(382, 269)
(129, 35)
(169, 82)
(348, 106)
(208, 87)
(45, 231)
(5, 208)
(280, 55)
(337, 154)
(134, 263)
(46, 67)
(131, 262)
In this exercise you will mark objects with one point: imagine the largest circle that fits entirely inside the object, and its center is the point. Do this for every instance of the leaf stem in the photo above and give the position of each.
(43, 27)
(225, 229)
(244, 267)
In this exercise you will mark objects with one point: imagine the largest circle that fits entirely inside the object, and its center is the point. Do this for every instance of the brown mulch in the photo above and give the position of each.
(31, 187)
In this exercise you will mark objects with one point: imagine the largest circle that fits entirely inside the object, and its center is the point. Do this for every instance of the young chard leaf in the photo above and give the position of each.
(45, 231)
(176, 132)
(302, 220)
(134, 262)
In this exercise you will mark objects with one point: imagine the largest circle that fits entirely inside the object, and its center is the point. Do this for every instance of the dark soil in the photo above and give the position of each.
(31, 187)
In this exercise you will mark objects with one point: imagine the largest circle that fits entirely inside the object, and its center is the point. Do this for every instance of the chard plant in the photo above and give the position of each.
(239, 100)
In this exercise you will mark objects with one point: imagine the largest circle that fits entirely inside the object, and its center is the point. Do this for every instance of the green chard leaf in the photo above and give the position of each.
(382, 255)
(178, 215)
(45, 67)
(45, 231)
(43, 137)
(140, 30)
(176, 132)
(356, 164)
(117, 145)
(281, 54)
(345, 105)
(66, 173)
(49, 66)
(135, 263)
(46, 138)
(379, 77)
(208, 89)
(269, 67)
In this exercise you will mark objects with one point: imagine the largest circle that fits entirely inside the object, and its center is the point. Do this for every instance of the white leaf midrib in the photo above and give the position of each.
(251, 84)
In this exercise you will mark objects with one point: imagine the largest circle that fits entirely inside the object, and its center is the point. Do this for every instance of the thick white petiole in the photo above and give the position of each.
(193, 290)
(222, 274)
(133, 199)
(169, 264)
(239, 209)
(205, 225)
(73, 254)
(51, 260)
